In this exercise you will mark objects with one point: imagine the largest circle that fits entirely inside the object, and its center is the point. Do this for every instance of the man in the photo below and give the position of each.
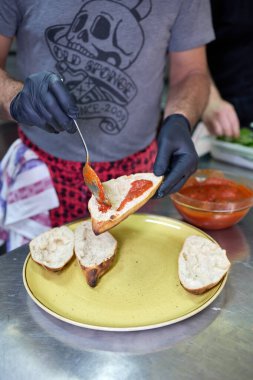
(230, 62)
(103, 62)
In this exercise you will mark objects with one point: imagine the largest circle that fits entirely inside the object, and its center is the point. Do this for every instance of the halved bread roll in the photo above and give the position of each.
(201, 264)
(95, 254)
(53, 249)
(126, 194)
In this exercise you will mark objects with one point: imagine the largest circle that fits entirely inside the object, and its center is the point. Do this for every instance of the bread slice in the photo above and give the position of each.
(95, 254)
(116, 191)
(201, 264)
(53, 249)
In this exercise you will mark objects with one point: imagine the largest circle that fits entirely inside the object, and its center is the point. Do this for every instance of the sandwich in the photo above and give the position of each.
(126, 194)
(53, 249)
(201, 264)
(95, 254)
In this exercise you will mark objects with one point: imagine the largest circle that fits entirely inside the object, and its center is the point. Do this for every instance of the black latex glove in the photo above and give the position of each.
(46, 103)
(177, 158)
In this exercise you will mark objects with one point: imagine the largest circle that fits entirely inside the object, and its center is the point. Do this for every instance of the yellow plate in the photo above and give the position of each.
(141, 290)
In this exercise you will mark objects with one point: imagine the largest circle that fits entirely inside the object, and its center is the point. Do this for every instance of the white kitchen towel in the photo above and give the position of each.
(201, 139)
(26, 196)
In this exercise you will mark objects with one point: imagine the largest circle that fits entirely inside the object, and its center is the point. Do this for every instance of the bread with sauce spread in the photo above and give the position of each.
(53, 249)
(118, 191)
(95, 254)
(201, 264)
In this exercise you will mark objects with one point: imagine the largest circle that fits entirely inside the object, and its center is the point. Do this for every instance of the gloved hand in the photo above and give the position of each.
(46, 103)
(177, 158)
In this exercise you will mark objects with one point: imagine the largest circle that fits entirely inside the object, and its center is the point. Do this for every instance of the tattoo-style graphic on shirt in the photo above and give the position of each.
(92, 55)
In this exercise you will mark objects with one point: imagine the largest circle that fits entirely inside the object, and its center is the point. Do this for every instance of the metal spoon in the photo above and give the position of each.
(90, 177)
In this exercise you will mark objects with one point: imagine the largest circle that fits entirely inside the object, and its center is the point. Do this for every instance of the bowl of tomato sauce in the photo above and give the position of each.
(213, 199)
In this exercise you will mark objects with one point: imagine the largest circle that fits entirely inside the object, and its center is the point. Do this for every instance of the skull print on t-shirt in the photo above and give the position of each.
(93, 53)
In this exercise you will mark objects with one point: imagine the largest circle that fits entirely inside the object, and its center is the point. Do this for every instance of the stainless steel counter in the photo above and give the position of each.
(215, 344)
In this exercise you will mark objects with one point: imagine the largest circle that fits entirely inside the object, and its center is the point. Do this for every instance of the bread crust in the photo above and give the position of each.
(53, 269)
(94, 273)
(203, 289)
(99, 226)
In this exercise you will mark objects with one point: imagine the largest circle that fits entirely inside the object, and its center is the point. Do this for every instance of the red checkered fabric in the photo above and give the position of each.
(68, 179)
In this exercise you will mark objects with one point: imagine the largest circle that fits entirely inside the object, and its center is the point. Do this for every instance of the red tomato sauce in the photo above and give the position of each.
(216, 190)
(91, 178)
(138, 187)
(103, 207)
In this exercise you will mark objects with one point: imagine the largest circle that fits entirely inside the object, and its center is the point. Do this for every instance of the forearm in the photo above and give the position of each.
(189, 96)
(214, 95)
(220, 116)
(9, 88)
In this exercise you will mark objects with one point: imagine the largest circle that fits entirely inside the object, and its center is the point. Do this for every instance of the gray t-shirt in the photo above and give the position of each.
(112, 56)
